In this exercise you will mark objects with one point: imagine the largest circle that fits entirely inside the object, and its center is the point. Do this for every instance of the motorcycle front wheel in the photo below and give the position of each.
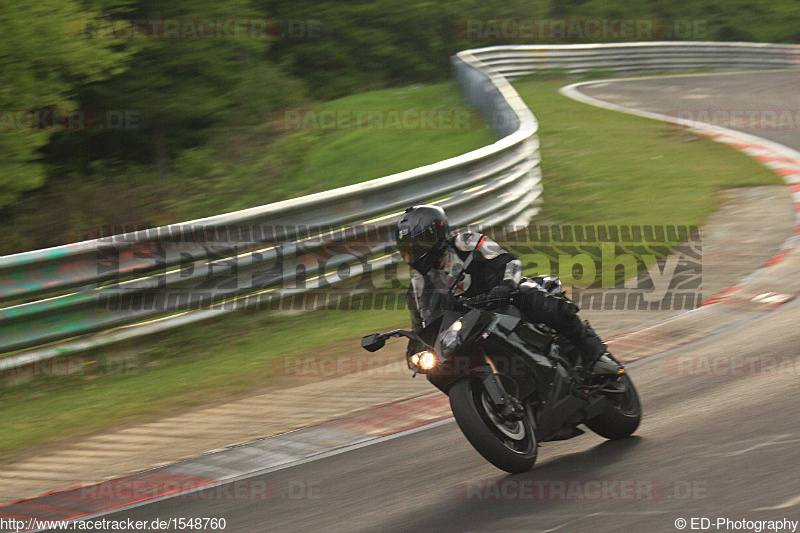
(510, 446)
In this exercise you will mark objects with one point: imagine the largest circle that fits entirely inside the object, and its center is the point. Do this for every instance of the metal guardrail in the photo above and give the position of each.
(259, 250)
(151, 274)
(635, 58)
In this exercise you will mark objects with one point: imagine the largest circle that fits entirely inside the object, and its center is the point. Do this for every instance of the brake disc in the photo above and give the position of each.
(515, 430)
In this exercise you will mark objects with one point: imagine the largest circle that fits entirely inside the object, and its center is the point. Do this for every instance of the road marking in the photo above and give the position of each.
(781, 439)
(771, 298)
(773, 441)
(790, 503)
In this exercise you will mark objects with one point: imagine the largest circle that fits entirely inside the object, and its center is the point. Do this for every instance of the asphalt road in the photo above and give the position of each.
(766, 104)
(714, 442)
(720, 436)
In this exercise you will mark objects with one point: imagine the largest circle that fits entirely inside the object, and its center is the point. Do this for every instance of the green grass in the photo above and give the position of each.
(190, 366)
(387, 146)
(327, 147)
(605, 167)
(600, 167)
(247, 166)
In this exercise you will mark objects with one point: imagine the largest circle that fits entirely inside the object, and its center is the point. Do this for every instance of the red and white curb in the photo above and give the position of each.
(783, 161)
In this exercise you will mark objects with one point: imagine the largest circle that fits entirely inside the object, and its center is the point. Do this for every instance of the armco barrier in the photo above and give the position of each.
(636, 58)
(115, 281)
(496, 184)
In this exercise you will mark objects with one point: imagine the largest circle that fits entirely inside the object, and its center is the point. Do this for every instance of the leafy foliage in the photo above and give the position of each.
(195, 112)
(43, 63)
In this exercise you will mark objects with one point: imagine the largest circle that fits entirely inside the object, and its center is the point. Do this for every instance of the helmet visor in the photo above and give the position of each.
(412, 248)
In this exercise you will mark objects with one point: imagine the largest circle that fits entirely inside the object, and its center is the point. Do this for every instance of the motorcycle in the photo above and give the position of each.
(513, 385)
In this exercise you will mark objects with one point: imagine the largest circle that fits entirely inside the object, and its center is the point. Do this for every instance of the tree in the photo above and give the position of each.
(44, 59)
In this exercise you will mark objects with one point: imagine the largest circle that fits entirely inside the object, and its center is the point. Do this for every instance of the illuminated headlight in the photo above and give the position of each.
(425, 360)
(450, 337)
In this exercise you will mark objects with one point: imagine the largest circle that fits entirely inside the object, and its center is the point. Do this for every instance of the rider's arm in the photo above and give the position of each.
(415, 304)
(506, 268)
(418, 303)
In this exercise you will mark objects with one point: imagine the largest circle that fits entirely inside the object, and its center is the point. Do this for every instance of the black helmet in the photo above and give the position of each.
(422, 235)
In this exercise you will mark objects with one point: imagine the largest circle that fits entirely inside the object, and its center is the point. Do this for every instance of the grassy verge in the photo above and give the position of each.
(600, 167)
(604, 167)
(337, 143)
(293, 153)
(142, 379)
(385, 132)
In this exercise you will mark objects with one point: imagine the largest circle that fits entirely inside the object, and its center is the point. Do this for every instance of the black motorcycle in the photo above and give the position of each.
(513, 385)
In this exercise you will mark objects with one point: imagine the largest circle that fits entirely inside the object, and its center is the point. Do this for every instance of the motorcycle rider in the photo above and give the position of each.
(437, 259)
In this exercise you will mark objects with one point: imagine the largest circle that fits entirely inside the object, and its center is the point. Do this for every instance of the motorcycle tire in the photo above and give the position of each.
(622, 415)
(508, 446)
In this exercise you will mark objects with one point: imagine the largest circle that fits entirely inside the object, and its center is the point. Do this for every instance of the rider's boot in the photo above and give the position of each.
(592, 350)
(561, 314)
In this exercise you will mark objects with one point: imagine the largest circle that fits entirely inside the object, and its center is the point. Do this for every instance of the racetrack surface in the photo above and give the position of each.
(759, 103)
(717, 442)
(720, 437)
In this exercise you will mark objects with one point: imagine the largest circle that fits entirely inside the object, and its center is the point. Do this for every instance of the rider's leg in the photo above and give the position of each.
(561, 314)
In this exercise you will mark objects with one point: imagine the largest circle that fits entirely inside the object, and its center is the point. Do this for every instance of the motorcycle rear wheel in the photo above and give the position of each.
(622, 414)
(508, 446)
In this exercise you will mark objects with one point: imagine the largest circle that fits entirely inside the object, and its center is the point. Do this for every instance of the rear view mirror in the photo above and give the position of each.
(374, 342)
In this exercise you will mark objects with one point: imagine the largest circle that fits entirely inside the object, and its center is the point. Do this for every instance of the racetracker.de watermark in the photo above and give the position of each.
(377, 119)
(330, 366)
(203, 28)
(188, 488)
(580, 489)
(748, 119)
(578, 29)
(74, 366)
(73, 120)
(733, 365)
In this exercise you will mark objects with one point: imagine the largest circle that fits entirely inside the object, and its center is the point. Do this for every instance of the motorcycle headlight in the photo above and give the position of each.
(450, 337)
(425, 360)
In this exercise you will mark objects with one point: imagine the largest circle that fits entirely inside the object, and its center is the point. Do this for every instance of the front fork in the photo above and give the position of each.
(509, 406)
